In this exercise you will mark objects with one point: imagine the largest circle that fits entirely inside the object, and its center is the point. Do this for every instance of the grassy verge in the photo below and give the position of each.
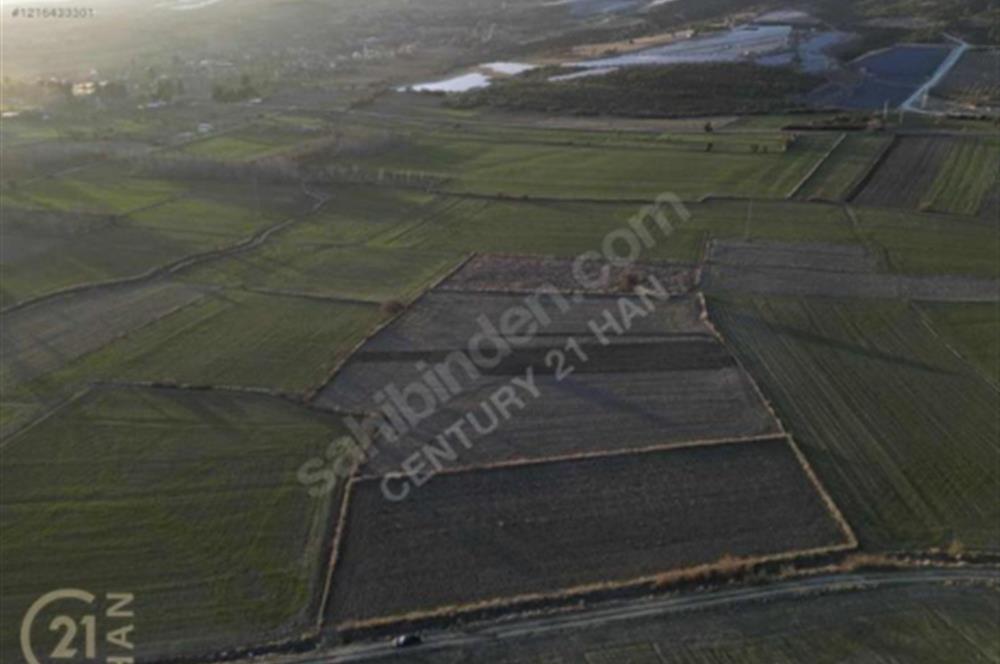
(189, 502)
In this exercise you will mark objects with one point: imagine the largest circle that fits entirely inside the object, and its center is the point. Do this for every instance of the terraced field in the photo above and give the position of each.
(902, 431)
(190, 502)
(479, 536)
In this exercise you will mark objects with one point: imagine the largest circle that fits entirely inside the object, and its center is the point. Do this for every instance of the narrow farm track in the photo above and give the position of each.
(309, 296)
(910, 104)
(252, 242)
(600, 617)
(294, 399)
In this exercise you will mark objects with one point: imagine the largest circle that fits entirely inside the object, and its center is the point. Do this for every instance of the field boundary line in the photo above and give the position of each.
(880, 253)
(118, 158)
(954, 218)
(173, 267)
(392, 235)
(690, 267)
(961, 47)
(652, 582)
(856, 187)
(707, 319)
(11, 437)
(523, 462)
(337, 544)
(313, 394)
(824, 495)
(510, 198)
(192, 388)
(928, 323)
(332, 299)
(532, 124)
(831, 505)
(122, 335)
(815, 169)
(447, 290)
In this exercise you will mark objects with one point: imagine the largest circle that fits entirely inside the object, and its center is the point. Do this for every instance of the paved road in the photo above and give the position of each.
(945, 67)
(599, 617)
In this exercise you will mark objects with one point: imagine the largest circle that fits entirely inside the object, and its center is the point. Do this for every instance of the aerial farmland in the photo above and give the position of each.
(593, 331)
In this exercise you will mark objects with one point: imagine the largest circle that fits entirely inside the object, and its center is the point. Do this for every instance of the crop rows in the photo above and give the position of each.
(847, 164)
(902, 431)
(950, 175)
(973, 80)
(536, 529)
(188, 501)
(666, 379)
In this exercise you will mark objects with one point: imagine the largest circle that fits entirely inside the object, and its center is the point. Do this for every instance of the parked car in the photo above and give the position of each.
(407, 640)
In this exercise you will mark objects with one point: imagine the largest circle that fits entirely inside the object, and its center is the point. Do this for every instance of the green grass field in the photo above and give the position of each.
(105, 191)
(932, 244)
(970, 171)
(366, 273)
(49, 251)
(244, 146)
(211, 223)
(902, 432)
(188, 497)
(844, 167)
(233, 338)
(610, 172)
(973, 330)
(570, 228)
(190, 502)
(360, 214)
(46, 258)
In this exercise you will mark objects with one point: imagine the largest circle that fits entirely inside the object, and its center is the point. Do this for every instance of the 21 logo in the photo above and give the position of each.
(75, 630)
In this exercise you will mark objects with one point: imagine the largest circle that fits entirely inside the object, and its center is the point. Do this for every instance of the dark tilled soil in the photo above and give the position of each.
(907, 174)
(500, 533)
